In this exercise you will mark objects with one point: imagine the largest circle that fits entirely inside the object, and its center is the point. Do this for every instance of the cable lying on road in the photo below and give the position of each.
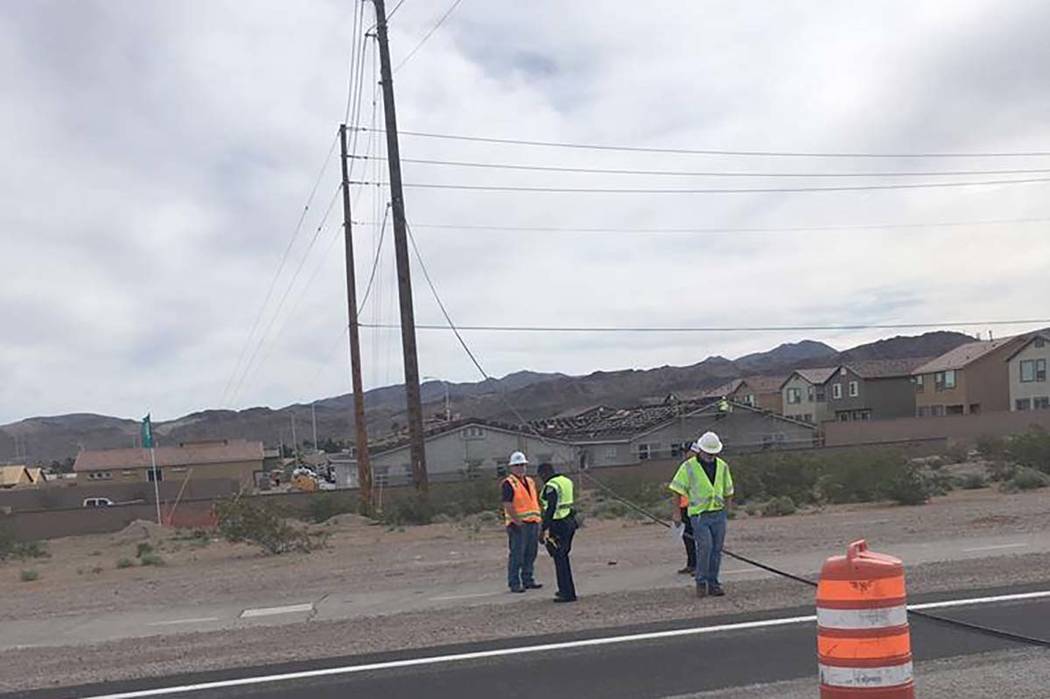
(989, 631)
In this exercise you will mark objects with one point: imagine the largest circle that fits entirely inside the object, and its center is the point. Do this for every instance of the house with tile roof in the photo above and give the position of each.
(1027, 367)
(805, 396)
(236, 459)
(970, 379)
(872, 390)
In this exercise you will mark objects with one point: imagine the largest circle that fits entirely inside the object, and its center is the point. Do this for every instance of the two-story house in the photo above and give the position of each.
(805, 396)
(872, 390)
(1029, 387)
(970, 379)
(762, 392)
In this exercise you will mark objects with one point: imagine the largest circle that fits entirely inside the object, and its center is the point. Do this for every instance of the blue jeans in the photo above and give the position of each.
(709, 532)
(523, 541)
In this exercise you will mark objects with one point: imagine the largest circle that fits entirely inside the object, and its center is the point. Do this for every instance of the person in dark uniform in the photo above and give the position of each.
(559, 527)
(687, 534)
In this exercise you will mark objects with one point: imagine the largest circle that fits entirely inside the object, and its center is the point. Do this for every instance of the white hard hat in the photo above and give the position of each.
(709, 443)
(518, 459)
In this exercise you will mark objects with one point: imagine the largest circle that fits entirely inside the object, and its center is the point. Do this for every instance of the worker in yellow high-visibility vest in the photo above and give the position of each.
(707, 483)
(559, 527)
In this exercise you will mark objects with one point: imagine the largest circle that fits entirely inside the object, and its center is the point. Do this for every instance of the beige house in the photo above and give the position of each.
(968, 380)
(235, 459)
(762, 392)
(1029, 388)
(805, 395)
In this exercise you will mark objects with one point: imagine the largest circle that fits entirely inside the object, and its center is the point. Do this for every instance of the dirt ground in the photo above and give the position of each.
(81, 575)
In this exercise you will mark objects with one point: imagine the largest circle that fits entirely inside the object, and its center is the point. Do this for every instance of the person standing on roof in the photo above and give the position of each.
(559, 527)
(708, 484)
(521, 512)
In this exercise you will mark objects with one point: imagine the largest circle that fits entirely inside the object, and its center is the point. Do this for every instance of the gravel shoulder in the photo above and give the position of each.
(81, 576)
(263, 645)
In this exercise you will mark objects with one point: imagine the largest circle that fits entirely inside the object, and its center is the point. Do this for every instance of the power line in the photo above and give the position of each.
(390, 15)
(715, 329)
(277, 274)
(284, 297)
(710, 173)
(358, 18)
(741, 190)
(719, 230)
(426, 36)
(713, 151)
(375, 262)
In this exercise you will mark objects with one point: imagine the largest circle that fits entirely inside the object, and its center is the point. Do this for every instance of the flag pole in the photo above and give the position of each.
(156, 488)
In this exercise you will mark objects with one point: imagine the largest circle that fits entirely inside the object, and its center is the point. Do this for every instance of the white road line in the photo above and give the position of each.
(200, 620)
(270, 611)
(591, 642)
(993, 548)
(981, 600)
(446, 598)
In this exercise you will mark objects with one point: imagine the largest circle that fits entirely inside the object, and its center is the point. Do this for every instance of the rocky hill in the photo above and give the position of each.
(525, 394)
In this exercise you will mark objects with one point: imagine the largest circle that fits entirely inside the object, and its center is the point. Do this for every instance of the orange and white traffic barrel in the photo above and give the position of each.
(863, 640)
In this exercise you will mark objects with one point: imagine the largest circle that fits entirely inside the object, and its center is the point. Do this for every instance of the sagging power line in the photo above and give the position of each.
(719, 329)
(710, 173)
(715, 190)
(715, 151)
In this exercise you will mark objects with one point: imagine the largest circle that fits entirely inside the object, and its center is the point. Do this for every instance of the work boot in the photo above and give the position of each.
(687, 571)
(716, 590)
(517, 588)
(533, 586)
(561, 600)
(701, 590)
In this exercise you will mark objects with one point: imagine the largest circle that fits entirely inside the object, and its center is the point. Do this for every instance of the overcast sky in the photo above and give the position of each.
(158, 155)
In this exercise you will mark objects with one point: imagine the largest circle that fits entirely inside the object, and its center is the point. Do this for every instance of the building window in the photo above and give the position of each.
(955, 410)
(1024, 404)
(749, 399)
(820, 395)
(810, 393)
(1042, 403)
(1039, 343)
(1033, 370)
(843, 417)
(836, 391)
(380, 476)
(919, 385)
(923, 411)
(937, 410)
(154, 474)
(794, 396)
(854, 389)
(644, 451)
(975, 408)
(473, 433)
(944, 380)
(862, 415)
(808, 417)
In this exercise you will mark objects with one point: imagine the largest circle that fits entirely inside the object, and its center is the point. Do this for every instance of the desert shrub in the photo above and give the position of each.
(324, 506)
(1030, 449)
(413, 509)
(779, 507)
(956, 454)
(144, 549)
(990, 447)
(152, 559)
(973, 481)
(242, 520)
(125, 563)
(906, 486)
(1026, 479)
(29, 575)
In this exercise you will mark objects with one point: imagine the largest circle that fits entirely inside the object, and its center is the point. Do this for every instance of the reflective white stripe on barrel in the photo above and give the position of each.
(862, 618)
(835, 676)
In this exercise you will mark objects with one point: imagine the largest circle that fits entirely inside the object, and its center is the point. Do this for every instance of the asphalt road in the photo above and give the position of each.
(662, 666)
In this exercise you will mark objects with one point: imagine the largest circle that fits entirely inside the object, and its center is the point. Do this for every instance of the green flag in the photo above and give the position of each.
(147, 433)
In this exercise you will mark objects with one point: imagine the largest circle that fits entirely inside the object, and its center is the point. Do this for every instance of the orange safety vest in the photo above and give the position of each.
(526, 502)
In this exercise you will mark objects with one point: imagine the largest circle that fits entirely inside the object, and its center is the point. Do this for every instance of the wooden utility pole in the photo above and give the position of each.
(364, 465)
(404, 280)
